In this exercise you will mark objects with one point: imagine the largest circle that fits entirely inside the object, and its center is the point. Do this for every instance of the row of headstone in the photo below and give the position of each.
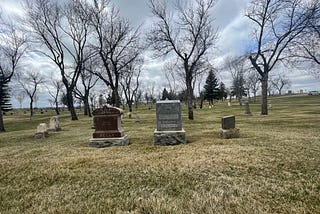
(108, 130)
(169, 131)
(43, 130)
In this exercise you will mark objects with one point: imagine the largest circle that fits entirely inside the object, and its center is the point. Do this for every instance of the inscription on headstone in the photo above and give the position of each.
(169, 115)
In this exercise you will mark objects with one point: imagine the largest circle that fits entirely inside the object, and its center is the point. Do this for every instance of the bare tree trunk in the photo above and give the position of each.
(190, 100)
(86, 106)
(264, 104)
(71, 106)
(57, 108)
(130, 105)
(31, 108)
(2, 129)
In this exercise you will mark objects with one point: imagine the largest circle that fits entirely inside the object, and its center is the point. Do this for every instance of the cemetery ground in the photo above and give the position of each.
(274, 167)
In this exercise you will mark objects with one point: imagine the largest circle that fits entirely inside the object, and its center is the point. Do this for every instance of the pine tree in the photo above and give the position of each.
(211, 88)
(238, 87)
(222, 91)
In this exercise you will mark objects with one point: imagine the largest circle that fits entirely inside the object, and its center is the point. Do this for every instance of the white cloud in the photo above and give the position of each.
(229, 19)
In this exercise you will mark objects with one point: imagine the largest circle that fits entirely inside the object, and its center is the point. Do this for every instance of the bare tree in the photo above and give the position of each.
(237, 68)
(13, 46)
(117, 45)
(279, 82)
(20, 96)
(276, 25)
(306, 48)
(88, 81)
(29, 81)
(253, 83)
(55, 95)
(54, 25)
(130, 82)
(189, 37)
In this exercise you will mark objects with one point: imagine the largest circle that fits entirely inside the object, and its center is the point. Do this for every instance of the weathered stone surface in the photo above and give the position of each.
(228, 122)
(42, 131)
(107, 142)
(54, 124)
(169, 129)
(107, 122)
(169, 115)
(108, 131)
(248, 112)
(229, 133)
(169, 138)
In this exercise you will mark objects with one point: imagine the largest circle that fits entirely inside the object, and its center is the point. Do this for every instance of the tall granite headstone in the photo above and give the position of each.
(108, 130)
(169, 129)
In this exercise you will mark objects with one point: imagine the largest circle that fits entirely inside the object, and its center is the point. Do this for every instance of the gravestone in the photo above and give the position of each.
(228, 127)
(138, 120)
(54, 124)
(108, 130)
(169, 129)
(228, 122)
(42, 131)
(248, 112)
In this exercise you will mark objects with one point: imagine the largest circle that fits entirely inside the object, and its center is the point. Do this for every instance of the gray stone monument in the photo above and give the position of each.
(42, 131)
(108, 130)
(228, 127)
(169, 129)
(248, 112)
(54, 124)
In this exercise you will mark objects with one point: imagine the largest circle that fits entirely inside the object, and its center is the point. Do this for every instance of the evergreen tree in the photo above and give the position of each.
(238, 87)
(4, 96)
(222, 91)
(211, 88)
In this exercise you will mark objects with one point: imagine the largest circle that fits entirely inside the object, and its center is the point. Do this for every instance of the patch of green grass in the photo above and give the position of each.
(272, 168)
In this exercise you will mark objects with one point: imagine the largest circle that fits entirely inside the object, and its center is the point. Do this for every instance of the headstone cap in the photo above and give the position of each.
(168, 101)
(106, 110)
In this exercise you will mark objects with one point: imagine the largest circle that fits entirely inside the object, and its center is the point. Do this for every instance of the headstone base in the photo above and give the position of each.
(41, 135)
(169, 138)
(229, 133)
(107, 142)
(54, 129)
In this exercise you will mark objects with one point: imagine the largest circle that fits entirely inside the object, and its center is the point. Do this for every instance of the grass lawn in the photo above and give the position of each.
(273, 168)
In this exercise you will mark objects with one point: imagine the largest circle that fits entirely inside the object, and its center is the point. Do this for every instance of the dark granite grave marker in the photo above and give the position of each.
(108, 130)
(107, 122)
(228, 122)
(228, 127)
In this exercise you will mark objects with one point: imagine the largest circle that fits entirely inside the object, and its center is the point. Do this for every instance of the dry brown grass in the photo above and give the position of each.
(272, 168)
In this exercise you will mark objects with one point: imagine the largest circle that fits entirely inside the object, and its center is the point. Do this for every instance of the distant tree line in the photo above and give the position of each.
(92, 46)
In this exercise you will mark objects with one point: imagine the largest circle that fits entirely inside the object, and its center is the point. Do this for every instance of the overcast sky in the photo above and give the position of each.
(228, 17)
